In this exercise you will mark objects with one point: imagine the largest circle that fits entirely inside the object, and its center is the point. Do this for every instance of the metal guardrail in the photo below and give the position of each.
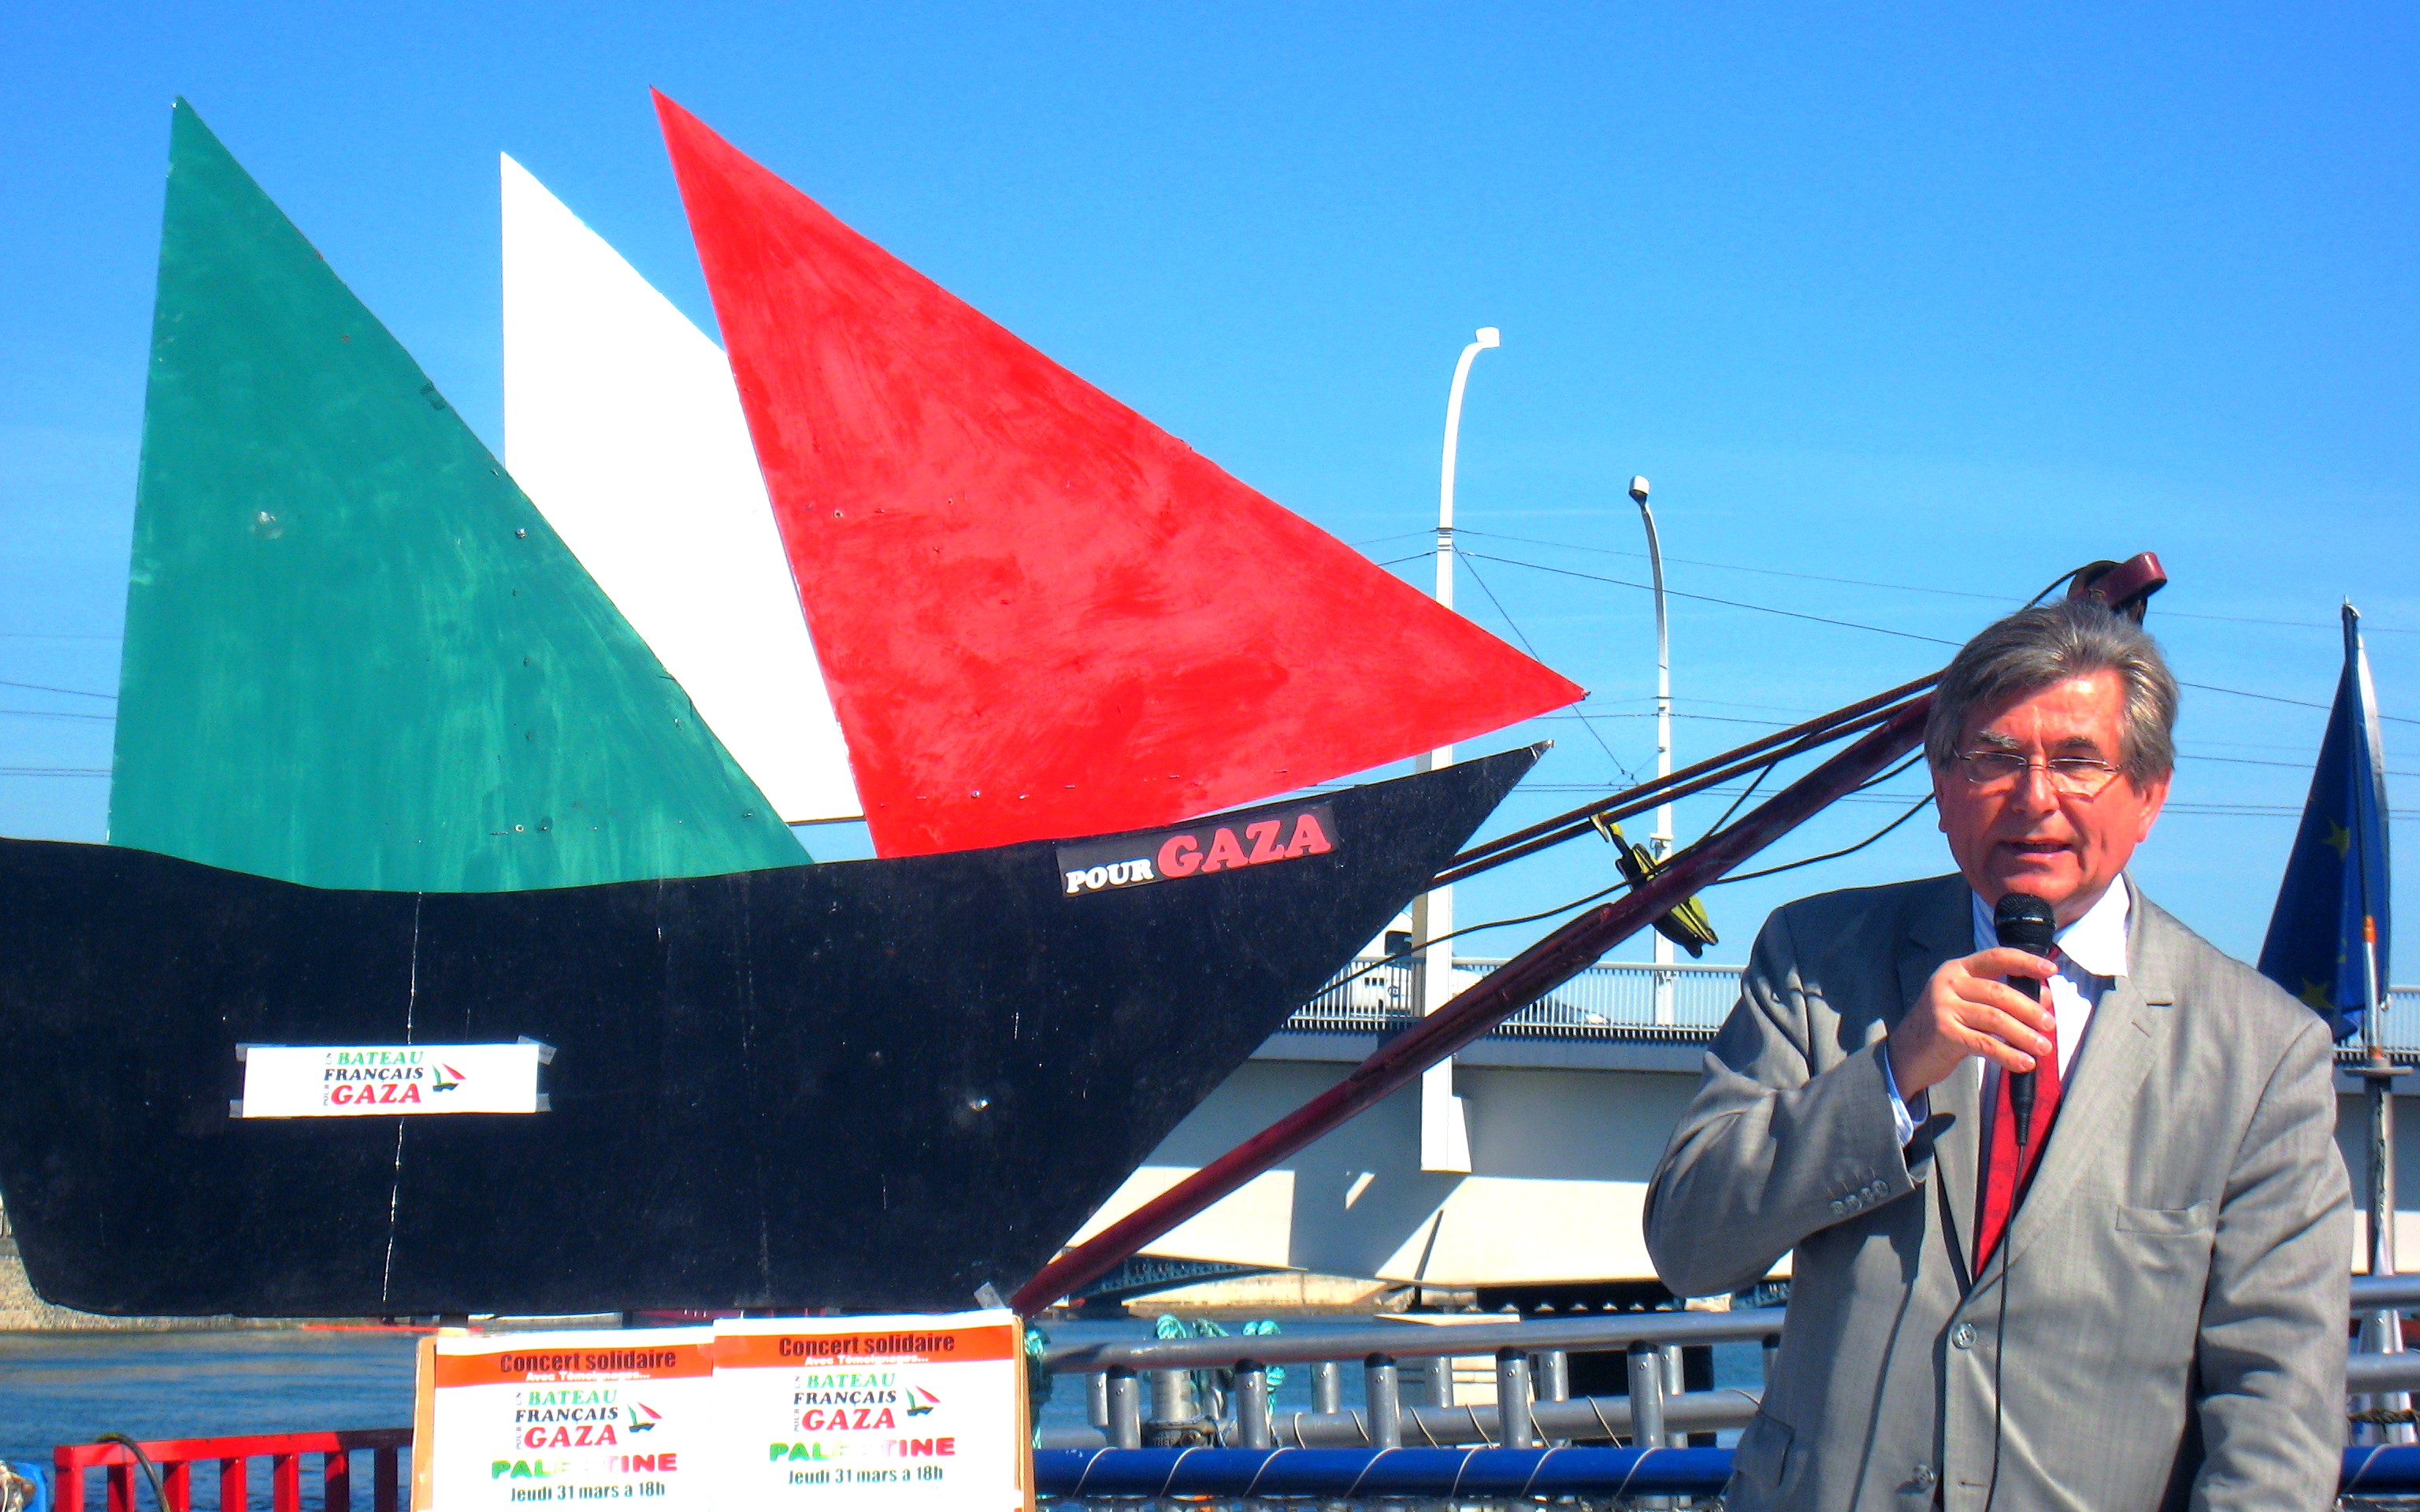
(1533, 1404)
(2370, 1292)
(2366, 1373)
(1599, 1331)
(1610, 1001)
(1601, 1418)
(1616, 1000)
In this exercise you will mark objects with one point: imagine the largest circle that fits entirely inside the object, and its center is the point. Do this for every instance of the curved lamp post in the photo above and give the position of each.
(1445, 1134)
(1660, 843)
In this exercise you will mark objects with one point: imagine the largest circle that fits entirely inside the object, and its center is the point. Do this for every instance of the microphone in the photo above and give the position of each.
(2024, 922)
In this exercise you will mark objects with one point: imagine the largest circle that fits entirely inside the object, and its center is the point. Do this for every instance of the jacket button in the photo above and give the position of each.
(1963, 1336)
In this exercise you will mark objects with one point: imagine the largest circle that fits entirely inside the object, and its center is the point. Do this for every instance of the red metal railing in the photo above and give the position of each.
(174, 1459)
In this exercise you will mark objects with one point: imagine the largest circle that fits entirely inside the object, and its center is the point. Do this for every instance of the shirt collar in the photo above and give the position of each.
(2096, 942)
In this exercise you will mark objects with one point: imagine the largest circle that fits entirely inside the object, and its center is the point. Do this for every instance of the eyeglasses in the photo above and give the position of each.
(2071, 777)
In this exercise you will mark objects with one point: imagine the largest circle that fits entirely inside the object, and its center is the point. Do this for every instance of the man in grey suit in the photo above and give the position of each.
(2141, 1307)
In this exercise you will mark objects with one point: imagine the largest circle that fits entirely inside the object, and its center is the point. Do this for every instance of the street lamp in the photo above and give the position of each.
(1445, 1136)
(1487, 339)
(1660, 843)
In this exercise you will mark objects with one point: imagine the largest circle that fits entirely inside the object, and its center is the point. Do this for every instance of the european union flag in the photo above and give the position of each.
(2327, 940)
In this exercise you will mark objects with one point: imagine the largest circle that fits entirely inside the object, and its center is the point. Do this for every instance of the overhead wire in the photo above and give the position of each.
(72, 692)
(1709, 598)
(1522, 636)
(1555, 831)
(2248, 760)
(1359, 967)
(1734, 567)
(1572, 824)
(1921, 804)
(1909, 635)
(1846, 850)
(1881, 629)
(1775, 758)
(2300, 704)
(1821, 730)
(2216, 811)
(2366, 628)
(1701, 718)
(2213, 808)
(1910, 588)
(1746, 793)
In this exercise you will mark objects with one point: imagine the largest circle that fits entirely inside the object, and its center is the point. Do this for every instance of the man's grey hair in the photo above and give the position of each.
(2049, 644)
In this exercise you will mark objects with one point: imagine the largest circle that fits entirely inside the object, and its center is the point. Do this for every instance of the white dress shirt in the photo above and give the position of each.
(2091, 956)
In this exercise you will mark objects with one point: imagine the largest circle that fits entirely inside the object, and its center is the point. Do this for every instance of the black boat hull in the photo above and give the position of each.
(867, 1085)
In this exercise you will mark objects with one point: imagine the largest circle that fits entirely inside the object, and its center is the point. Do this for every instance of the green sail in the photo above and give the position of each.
(356, 656)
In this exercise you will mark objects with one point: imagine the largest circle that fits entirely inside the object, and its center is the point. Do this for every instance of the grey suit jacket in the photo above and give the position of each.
(2164, 1325)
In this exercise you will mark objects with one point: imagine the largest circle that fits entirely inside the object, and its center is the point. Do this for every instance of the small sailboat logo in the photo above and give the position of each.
(447, 1078)
(641, 1424)
(921, 1401)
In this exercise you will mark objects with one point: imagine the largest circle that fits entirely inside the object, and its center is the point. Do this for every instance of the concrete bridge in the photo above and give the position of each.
(1568, 1107)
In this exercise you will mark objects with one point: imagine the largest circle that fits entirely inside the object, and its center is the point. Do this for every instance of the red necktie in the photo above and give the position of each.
(2004, 1182)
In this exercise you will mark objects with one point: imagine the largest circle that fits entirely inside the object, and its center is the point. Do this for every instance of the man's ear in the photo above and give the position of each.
(2155, 797)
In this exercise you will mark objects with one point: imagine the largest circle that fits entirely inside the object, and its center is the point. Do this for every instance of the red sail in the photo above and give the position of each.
(1039, 614)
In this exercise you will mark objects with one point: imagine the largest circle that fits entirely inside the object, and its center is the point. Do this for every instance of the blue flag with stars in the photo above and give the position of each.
(2327, 940)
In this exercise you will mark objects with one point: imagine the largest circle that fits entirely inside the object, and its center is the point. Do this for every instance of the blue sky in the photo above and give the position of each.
(1941, 299)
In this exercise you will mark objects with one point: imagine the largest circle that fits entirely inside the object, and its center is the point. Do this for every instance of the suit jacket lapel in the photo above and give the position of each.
(2129, 1025)
(1940, 927)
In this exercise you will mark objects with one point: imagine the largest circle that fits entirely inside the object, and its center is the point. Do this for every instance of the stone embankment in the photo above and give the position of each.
(20, 1311)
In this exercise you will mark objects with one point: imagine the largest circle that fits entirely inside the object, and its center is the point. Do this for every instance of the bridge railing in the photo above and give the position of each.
(1209, 1392)
(1212, 1390)
(1610, 1001)
(1189, 1383)
(1618, 1000)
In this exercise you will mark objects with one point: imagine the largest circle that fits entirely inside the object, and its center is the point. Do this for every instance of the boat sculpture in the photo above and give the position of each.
(395, 769)
(874, 1085)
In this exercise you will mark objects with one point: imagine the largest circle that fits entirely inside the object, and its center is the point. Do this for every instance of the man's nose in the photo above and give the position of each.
(2033, 793)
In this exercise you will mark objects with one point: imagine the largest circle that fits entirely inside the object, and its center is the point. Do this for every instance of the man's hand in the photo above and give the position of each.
(1966, 1009)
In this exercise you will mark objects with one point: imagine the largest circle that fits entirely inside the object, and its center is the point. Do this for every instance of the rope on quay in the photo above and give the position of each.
(2382, 1469)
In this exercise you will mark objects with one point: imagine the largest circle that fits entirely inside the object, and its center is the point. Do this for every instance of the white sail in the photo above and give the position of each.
(623, 425)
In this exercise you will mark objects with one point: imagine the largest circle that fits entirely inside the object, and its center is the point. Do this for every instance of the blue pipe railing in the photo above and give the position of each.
(1374, 1473)
(2381, 1470)
(1480, 1474)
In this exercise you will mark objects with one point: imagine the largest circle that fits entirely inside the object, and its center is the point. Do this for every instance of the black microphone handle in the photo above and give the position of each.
(2021, 1083)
